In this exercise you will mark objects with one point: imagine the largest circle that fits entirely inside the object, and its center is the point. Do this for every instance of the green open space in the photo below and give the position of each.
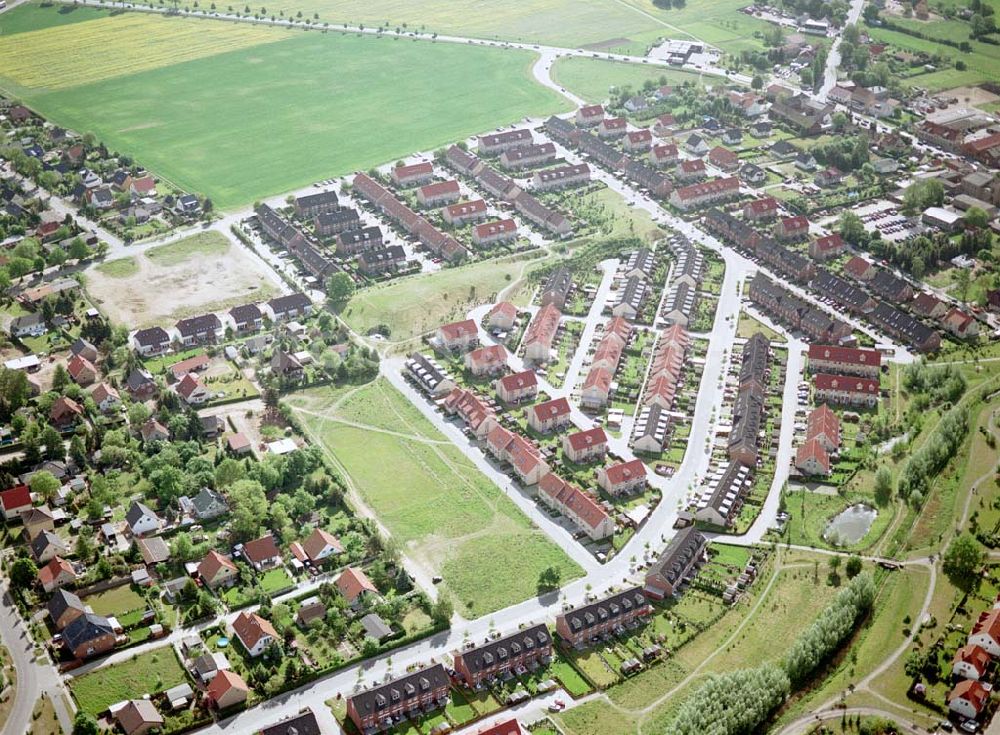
(203, 243)
(418, 304)
(146, 673)
(436, 503)
(716, 22)
(36, 16)
(593, 79)
(201, 123)
(119, 268)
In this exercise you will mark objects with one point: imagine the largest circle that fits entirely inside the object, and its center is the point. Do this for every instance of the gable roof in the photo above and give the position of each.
(213, 563)
(223, 682)
(85, 628)
(352, 582)
(302, 724)
(556, 407)
(581, 440)
(251, 628)
(16, 497)
(261, 549)
(137, 511)
(625, 471)
(318, 540)
(52, 571)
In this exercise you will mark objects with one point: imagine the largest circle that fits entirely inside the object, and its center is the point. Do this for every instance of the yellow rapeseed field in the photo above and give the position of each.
(81, 53)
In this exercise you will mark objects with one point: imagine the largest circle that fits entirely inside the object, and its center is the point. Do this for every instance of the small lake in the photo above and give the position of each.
(850, 525)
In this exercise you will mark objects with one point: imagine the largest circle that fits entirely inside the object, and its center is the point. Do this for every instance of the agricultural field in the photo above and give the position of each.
(446, 515)
(34, 17)
(203, 272)
(593, 79)
(443, 296)
(179, 107)
(716, 22)
(146, 673)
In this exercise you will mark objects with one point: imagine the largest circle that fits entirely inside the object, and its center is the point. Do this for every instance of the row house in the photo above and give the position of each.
(496, 183)
(678, 563)
(462, 161)
(541, 333)
(705, 193)
(528, 156)
(596, 390)
(666, 367)
(903, 326)
(585, 446)
(641, 262)
(557, 288)
(731, 229)
(330, 224)
(151, 341)
(413, 174)
(383, 707)
(490, 360)
(518, 387)
(549, 416)
(614, 614)
(812, 460)
(290, 306)
(612, 127)
(311, 205)
(604, 154)
(520, 453)
(890, 287)
(464, 213)
(561, 177)
(497, 231)
(355, 242)
(622, 478)
(744, 436)
(511, 655)
(651, 428)
(204, 329)
(562, 131)
(494, 143)
(796, 312)
(928, 305)
(278, 228)
(722, 499)
(631, 298)
(542, 216)
(692, 169)
(786, 262)
(648, 178)
(638, 140)
(791, 229)
(430, 376)
(664, 154)
(378, 261)
(246, 318)
(589, 115)
(845, 361)
(458, 336)
(843, 292)
(822, 440)
(761, 210)
(478, 416)
(581, 508)
(846, 390)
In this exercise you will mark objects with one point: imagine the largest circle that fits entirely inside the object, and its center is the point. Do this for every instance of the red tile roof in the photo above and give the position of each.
(849, 355)
(592, 111)
(857, 267)
(18, 496)
(849, 383)
(598, 378)
(829, 242)
(188, 385)
(763, 206)
(507, 727)
(974, 655)
(51, 571)
(223, 682)
(317, 541)
(504, 308)
(824, 421)
(457, 330)
(519, 381)
(812, 449)
(261, 549)
(250, 628)
(352, 582)
(586, 439)
(496, 227)
(439, 188)
(549, 409)
(565, 494)
(213, 563)
(972, 691)
(625, 471)
(77, 365)
(416, 169)
(476, 206)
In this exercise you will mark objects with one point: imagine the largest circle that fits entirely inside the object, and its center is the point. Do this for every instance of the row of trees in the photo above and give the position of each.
(933, 456)
(821, 639)
(944, 384)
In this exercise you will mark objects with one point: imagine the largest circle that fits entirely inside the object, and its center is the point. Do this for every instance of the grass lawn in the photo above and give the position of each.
(146, 673)
(117, 602)
(812, 511)
(609, 210)
(748, 325)
(593, 79)
(717, 22)
(175, 253)
(443, 297)
(445, 514)
(119, 268)
(44, 720)
(189, 107)
(275, 580)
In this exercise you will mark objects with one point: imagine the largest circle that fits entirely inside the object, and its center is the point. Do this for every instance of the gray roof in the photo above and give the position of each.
(137, 511)
(508, 647)
(404, 688)
(63, 600)
(302, 724)
(86, 628)
(375, 626)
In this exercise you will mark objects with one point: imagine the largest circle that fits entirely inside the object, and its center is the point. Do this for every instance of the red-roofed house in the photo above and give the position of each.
(14, 501)
(826, 247)
(507, 727)
(491, 360)
(438, 193)
(56, 573)
(489, 233)
(845, 360)
(216, 570)
(665, 154)
(262, 553)
(761, 209)
(859, 268)
(464, 212)
(577, 506)
(81, 370)
(227, 690)
(812, 459)
(968, 698)
(474, 412)
(517, 451)
(596, 391)
(192, 390)
(144, 187)
(517, 387)
(320, 544)
(623, 478)
(589, 115)
(986, 632)
(960, 323)
(612, 127)
(970, 662)
(254, 632)
(690, 170)
(586, 446)
(502, 317)
(846, 390)
(353, 584)
(792, 228)
(929, 305)
(458, 336)
(724, 158)
(549, 416)
(638, 140)
(105, 397)
(65, 412)
(417, 173)
(540, 334)
(825, 427)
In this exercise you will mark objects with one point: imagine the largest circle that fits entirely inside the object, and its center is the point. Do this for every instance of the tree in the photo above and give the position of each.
(963, 560)
(921, 194)
(339, 288)
(369, 647)
(757, 82)
(853, 567)
(183, 546)
(45, 484)
(137, 414)
(442, 611)
(60, 378)
(249, 508)
(23, 573)
(84, 724)
(883, 486)
(549, 579)
(976, 217)
(852, 228)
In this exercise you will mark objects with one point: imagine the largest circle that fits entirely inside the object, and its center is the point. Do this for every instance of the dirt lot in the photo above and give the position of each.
(967, 97)
(152, 293)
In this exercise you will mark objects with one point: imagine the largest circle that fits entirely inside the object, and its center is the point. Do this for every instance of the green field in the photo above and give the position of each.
(33, 17)
(237, 125)
(592, 79)
(147, 673)
(433, 500)
(982, 62)
(175, 253)
(119, 268)
(442, 297)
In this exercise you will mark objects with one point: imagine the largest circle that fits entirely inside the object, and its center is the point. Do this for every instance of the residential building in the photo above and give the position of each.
(970, 662)
(458, 336)
(722, 497)
(438, 193)
(14, 501)
(517, 387)
(502, 317)
(353, 584)
(311, 205)
(89, 635)
(497, 231)
(585, 446)
(254, 632)
(216, 570)
(330, 224)
(527, 156)
(549, 416)
(464, 213)
(204, 329)
(557, 288)
(845, 360)
(64, 607)
(151, 342)
(383, 706)
(677, 564)
(614, 614)
(968, 698)
(495, 143)
(522, 651)
(589, 115)
(192, 390)
(561, 177)
(417, 173)
(141, 519)
(262, 553)
(846, 390)
(541, 333)
(622, 478)
(518, 452)
(55, 574)
(581, 508)
(138, 717)
(826, 247)
(227, 689)
(705, 193)
(290, 306)
(430, 376)
(490, 360)
(321, 545)
(246, 318)
(355, 242)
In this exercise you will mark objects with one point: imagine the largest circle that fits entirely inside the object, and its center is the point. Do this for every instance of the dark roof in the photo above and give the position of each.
(137, 511)
(405, 687)
(63, 600)
(297, 301)
(245, 313)
(481, 658)
(321, 199)
(595, 613)
(86, 628)
(152, 337)
(137, 379)
(329, 219)
(302, 724)
(198, 324)
(676, 558)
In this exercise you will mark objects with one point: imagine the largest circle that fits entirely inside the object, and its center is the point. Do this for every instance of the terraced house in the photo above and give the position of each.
(677, 564)
(512, 655)
(382, 707)
(615, 614)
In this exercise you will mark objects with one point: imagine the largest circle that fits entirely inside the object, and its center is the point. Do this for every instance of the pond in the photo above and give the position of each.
(850, 525)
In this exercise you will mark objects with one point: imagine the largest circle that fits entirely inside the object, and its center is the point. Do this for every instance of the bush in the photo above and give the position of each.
(733, 703)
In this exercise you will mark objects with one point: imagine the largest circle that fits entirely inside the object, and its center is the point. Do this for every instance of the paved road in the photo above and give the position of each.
(833, 57)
